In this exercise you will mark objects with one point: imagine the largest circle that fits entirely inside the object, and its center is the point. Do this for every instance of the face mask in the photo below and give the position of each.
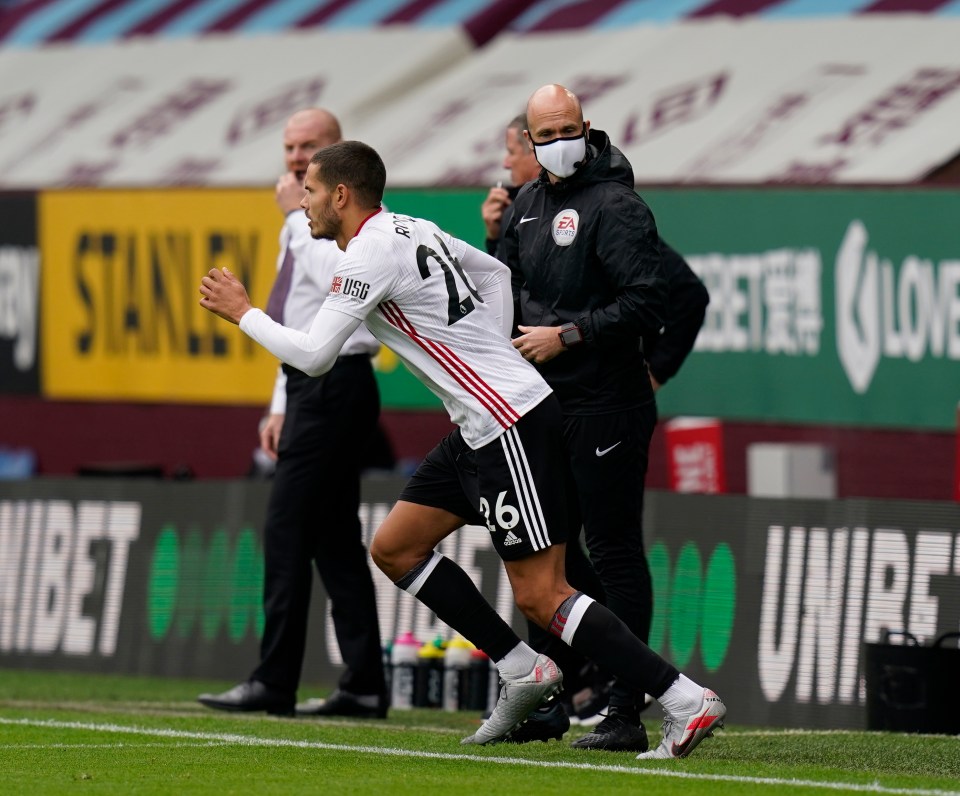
(562, 156)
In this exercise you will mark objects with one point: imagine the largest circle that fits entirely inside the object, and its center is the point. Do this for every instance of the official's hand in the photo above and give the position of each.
(270, 435)
(492, 210)
(289, 193)
(653, 381)
(224, 295)
(538, 344)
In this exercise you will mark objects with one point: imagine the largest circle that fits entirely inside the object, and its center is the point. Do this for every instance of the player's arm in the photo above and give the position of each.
(492, 280)
(313, 352)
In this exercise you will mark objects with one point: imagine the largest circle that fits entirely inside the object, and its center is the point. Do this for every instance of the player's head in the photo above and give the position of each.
(556, 128)
(307, 131)
(356, 166)
(519, 159)
(342, 179)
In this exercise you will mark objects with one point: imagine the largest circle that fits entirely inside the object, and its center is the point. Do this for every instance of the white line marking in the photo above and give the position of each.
(121, 745)
(246, 740)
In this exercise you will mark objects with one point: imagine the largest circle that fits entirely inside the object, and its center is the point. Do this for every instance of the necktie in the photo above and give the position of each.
(281, 287)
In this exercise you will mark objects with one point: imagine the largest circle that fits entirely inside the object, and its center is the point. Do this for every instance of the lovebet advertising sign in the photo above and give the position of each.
(826, 306)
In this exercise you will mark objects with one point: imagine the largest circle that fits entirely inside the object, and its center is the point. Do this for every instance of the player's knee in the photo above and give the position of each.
(394, 557)
(533, 607)
(383, 556)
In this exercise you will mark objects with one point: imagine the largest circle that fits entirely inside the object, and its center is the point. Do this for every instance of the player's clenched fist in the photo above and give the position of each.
(224, 295)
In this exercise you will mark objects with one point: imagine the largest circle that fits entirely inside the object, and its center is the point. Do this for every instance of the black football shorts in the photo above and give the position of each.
(513, 485)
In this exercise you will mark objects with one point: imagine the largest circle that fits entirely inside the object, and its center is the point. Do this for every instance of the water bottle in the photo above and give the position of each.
(403, 658)
(478, 681)
(428, 684)
(456, 664)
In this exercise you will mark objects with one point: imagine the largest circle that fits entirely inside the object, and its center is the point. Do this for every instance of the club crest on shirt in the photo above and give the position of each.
(350, 287)
(565, 226)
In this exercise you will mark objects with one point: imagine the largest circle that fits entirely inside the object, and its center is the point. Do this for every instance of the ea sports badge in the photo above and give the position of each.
(565, 226)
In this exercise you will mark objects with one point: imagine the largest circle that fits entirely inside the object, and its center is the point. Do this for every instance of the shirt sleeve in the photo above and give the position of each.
(313, 352)
(366, 275)
(508, 252)
(492, 281)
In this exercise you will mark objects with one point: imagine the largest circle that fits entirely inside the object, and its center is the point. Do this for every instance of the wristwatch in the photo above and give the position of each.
(570, 335)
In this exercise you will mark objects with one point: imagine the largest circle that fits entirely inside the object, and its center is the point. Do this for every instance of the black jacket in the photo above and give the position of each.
(687, 301)
(587, 250)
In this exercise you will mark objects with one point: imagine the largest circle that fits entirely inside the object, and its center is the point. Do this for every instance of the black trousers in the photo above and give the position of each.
(312, 518)
(608, 456)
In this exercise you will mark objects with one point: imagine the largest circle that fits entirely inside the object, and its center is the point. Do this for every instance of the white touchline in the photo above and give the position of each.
(248, 740)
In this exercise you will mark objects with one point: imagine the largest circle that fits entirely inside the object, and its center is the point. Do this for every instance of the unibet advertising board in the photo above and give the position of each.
(767, 601)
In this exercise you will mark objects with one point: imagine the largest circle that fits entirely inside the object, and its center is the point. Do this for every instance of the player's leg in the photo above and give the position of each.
(692, 712)
(542, 593)
(431, 507)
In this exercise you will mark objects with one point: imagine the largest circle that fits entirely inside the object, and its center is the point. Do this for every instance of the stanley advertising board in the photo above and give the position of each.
(767, 601)
(120, 293)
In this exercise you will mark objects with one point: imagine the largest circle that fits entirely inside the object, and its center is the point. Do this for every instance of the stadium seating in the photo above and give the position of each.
(33, 22)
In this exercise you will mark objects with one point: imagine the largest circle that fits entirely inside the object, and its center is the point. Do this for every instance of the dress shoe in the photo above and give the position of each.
(249, 697)
(343, 703)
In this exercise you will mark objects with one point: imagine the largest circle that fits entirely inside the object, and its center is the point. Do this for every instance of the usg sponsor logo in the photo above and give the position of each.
(62, 573)
(565, 226)
(826, 591)
(350, 287)
(910, 313)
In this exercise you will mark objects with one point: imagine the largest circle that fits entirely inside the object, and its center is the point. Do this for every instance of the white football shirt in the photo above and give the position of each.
(418, 289)
(314, 262)
(444, 307)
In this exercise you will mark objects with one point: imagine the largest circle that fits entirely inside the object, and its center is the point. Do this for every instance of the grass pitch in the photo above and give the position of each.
(69, 733)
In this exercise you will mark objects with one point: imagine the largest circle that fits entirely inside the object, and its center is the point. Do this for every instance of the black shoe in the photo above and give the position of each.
(343, 703)
(249, 697)
(618, 732)
(546, 722)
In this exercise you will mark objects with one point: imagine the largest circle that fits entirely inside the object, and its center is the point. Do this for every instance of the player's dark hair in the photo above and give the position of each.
(356, 165)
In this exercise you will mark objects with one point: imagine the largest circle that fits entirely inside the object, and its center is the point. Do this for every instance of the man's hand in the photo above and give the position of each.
(538, 344)
(289, 193)
(270, 430)
(224, 295)
(492, 210)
